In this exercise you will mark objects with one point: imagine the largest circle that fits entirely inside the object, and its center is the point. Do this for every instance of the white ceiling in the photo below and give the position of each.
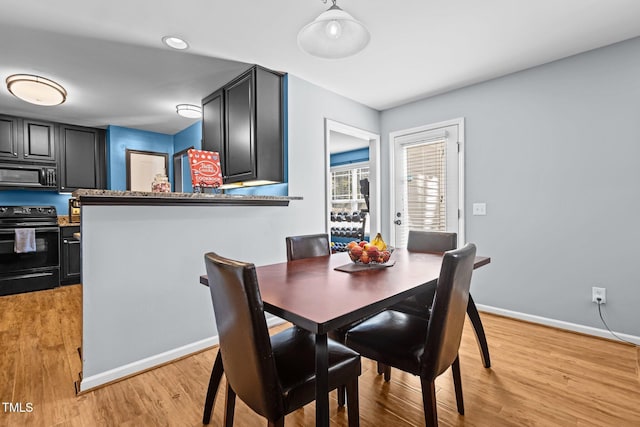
(109, 57)
(341, 142)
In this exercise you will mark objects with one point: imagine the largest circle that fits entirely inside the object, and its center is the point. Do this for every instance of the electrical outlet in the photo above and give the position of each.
(599, 293)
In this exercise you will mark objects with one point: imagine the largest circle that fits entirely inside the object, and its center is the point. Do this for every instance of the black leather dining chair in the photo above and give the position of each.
(307, 246)
(272, 375)
(437, 241)
(424, 346)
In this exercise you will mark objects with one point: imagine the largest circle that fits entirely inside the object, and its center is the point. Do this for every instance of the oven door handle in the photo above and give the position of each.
(38, 229)
(27, 276)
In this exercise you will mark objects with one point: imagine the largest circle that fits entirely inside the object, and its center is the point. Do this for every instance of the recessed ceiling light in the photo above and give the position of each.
(36, 90)
(189, 111)
(175, 42)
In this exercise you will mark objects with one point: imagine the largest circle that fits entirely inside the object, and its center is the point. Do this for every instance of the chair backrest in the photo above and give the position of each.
(431, 241)
(247, 355)
(444, 332)
(307, 246)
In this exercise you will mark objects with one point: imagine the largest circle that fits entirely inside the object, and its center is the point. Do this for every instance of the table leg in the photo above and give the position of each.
(214, 382)
(322, 381)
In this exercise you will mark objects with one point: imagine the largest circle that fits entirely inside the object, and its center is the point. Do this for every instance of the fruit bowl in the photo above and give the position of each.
(369, 254)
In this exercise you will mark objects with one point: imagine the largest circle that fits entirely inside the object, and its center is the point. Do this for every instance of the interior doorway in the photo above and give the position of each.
(353, 167)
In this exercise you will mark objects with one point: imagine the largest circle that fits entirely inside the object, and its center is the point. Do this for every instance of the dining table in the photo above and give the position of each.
(323, 293)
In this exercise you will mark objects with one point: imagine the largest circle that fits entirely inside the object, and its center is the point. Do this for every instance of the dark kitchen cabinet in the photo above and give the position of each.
(69, 256)
(82, 158)
(38, 143)
(8, 137)
(27, 140)
(213, 122)
(239, 109)
(243, 121)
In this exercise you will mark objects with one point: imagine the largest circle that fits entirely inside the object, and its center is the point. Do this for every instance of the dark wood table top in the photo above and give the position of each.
(314, 296)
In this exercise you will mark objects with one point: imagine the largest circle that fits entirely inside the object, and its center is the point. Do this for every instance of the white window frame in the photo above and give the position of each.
(355, 184)
(461, 150)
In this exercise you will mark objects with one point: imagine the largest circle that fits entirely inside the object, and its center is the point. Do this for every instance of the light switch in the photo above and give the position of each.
(479, 208)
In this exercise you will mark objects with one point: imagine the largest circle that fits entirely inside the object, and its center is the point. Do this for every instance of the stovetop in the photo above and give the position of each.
(28, 212)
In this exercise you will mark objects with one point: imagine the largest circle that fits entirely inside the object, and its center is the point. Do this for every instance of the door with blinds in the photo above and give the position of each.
(426, 180)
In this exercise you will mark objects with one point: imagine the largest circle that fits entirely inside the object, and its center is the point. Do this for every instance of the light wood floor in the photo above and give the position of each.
(540, 377)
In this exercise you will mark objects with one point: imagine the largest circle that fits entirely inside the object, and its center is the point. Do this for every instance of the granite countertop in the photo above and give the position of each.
(63, 221)
(113, 197)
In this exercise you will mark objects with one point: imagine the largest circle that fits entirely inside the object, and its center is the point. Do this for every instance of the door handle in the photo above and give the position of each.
(397, 222)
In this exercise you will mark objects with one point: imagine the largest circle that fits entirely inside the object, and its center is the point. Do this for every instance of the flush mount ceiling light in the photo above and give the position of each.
(175, 42)
(334, 34)
(189, 111)
(36, 90)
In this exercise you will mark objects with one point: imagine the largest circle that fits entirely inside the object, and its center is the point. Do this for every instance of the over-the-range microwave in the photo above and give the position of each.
(18, 175)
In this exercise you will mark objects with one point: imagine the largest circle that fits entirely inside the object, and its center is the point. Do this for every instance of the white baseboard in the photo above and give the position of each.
(588, 330)
(141, 365)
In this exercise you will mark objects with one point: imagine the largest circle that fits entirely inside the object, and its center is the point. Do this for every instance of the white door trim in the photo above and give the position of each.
(461, 144)
(374, 169)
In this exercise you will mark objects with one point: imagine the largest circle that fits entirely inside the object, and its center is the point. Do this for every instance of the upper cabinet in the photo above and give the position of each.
(78, 153)
(8, 137)
(27, 140)
(243, 121)
(213, 122)
(239, 113)
(82, 158)
(38, 141)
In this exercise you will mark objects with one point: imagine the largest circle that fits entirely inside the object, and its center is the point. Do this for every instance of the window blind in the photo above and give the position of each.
(425, 200)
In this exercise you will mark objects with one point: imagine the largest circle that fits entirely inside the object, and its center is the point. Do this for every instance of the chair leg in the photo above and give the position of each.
(353, 403)
(380, 368)
(457, 384)
(387, 373)
(229, 406)
(341, 390)
(214, 382)
(429, 402)
(276, 423)
(474, 316)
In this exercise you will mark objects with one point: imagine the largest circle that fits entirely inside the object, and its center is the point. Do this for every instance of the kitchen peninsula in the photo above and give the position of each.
(142, 255)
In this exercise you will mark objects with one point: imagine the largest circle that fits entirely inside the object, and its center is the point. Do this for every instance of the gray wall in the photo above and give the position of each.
(309, 105)
(554, 151)
(142, 304)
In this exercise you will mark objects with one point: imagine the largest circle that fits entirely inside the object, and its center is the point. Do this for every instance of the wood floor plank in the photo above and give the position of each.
(540, 376)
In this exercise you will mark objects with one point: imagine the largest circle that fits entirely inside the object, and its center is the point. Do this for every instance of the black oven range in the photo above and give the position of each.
(29, 249)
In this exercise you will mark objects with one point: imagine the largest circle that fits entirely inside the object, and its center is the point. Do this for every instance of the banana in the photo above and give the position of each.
(379, 243)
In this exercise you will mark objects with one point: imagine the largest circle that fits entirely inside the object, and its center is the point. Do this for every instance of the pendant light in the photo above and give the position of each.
(334, 34)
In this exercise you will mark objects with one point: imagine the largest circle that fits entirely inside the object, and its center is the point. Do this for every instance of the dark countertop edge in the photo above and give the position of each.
(86, 200)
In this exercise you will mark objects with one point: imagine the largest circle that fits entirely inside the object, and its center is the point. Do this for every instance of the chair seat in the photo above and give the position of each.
(417, 305)
(394, 338)
(294, 354)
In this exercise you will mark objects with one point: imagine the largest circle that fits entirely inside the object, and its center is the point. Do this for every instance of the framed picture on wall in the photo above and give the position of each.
(143, 166)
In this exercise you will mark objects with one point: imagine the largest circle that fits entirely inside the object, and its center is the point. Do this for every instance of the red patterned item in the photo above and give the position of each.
(205, 168)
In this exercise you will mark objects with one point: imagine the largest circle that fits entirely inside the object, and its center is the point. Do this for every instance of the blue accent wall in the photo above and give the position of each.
(189, 137)
(119, 139)
(348, 157)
